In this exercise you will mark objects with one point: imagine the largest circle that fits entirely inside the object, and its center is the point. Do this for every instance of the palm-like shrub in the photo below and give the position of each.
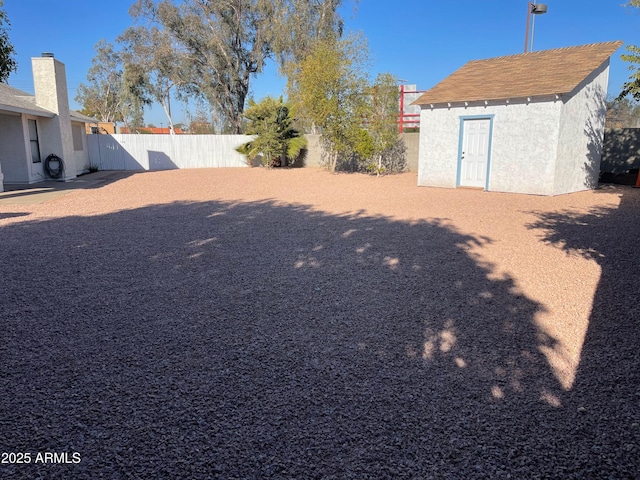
(271, 122)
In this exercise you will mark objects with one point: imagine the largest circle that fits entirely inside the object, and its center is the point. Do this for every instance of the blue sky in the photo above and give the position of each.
(421, 42)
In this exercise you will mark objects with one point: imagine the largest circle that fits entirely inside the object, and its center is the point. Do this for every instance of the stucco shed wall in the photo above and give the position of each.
(523, 152)
(582, 134)
(438, 147)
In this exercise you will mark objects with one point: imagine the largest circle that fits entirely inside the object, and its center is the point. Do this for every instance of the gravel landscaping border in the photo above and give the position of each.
(294, 324)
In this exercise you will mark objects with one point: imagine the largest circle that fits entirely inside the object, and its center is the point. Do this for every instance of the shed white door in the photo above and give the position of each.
(475, 152)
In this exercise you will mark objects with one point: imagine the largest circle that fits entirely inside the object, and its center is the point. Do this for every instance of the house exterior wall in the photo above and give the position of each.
(13, 156)
(81, 156)
(57, 133)
(524, 145)
(581, 135)
(50, 84)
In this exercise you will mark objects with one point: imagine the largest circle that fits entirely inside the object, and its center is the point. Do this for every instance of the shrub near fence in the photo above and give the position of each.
(313, 156)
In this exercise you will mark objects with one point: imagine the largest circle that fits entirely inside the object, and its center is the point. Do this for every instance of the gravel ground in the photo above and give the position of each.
(293, 324)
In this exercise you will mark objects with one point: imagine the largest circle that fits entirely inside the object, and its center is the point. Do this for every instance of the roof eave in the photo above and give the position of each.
(78, 117)
(27, 111)
(518, 98)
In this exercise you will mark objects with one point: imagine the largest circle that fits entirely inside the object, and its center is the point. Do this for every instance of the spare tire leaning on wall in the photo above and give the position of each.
(54, 166)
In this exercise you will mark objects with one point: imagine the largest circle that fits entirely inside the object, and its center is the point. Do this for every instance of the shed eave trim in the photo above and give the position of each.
(486, 101)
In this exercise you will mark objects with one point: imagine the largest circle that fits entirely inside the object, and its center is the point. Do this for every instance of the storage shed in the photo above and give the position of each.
(529, 123)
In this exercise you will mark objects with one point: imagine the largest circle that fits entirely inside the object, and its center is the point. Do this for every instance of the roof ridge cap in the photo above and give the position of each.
(538, 52)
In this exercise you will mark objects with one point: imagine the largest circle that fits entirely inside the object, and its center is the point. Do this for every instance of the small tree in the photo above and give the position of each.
(632, 87)
(271, 122)
(622, 113)
(7, 52)
(357, 121)
(328, 88)
(387, 148)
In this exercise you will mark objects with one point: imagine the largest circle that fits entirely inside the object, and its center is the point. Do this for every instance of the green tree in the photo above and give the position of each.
(150, 53)
(132, 96)
(200, 121)
(622, 113)
(301, 23)
(387, 148)
(632, 87)
(101, 97)
(113, 90)
(328, 89)
(228, 42)
(271, 122)
(8, 63)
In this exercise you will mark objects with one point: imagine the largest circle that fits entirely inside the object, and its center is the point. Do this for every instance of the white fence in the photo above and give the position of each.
(164, 152)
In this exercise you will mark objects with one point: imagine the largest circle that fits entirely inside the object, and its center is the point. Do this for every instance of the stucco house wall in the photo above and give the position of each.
(52, 95)
(80, 147)
(11, 127)
(59, 131)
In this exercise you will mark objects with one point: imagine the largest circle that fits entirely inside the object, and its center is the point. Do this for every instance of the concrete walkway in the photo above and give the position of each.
(29, 194)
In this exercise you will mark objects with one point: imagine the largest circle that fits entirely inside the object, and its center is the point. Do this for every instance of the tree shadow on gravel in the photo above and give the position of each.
(606, 393)
(12, 215)
(258, 340)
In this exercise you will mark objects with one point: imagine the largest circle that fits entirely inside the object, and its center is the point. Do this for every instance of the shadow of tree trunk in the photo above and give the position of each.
(605, 398)
(260, 340)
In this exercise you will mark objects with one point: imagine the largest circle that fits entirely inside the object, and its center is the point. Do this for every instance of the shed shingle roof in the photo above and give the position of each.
(546, 72)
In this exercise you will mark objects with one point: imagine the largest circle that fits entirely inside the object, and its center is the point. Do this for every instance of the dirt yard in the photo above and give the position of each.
(254, 323)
